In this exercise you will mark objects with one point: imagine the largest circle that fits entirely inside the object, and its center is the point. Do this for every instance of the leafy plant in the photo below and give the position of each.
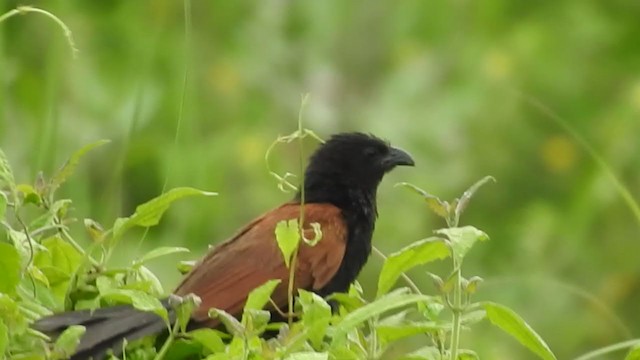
(45, 270)
(454, 290)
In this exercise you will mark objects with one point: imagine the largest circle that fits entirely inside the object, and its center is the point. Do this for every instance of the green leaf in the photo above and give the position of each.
(418, 253)
(396, 326)
(29, 194)
(37, 274)
(4, 338)
(391, 333)
(259, 296)
(462, 239)
(146, 275)
(209, 338)
(61, 255)
(94, 229)
(185, 266)
(3, 204)
(58, 261)
(255, 321)
(68, 341)
(511, 323)
(149, 213)
(308, 356)
(465, 354)
(473, 317)
(158, 252)
(424, 353)
(634, 353)
(393, 300)
(466, 196)
(288, 237)
(316, 315)
(9, 268)
(70, 165)
(140, 300)
(439, 207)
(11, 315)
(233, 326)
(6, 176)
(184, 307)
(472, 285)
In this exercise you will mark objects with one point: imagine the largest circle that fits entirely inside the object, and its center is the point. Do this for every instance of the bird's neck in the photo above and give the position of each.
(357, 201)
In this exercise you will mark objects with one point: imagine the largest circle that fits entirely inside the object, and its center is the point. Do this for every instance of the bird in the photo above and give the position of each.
(340, 187)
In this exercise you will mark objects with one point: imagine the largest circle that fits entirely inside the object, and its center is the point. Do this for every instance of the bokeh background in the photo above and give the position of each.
(471, 88)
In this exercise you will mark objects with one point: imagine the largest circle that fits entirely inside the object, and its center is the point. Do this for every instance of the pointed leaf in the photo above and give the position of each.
(9, 268)
(3, 204)
(418, 253)
(511, 323)
(149, 213)
(466, 196)
(70, 165)
(6, 176)
(316, 315)
(288, 237)
(255, 321)
(462, 239)
(439, 207)
(259, 296)
(209, 338)
(158, 252)
(68, 341)
(140, 300)
(391, 333)
(155, 286)
(393, 300)
(233, 326)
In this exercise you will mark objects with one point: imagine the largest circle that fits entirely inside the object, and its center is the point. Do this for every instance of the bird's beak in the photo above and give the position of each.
(397, 157)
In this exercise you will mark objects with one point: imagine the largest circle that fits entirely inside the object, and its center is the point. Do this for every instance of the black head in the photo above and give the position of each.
(352, 161)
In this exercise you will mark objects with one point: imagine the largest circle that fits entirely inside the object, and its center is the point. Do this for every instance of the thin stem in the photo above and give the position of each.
(294, 261)
(20, 10)
(9, 14)
(292, 273)
(609, 349)
(167, 344)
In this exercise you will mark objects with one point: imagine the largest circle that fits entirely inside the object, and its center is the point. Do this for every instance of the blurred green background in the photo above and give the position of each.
(468, 87)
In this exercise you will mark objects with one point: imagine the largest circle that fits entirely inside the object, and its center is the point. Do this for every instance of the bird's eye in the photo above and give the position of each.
(371, 152)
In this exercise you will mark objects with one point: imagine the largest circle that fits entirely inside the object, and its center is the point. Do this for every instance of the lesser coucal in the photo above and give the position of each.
(340, 186)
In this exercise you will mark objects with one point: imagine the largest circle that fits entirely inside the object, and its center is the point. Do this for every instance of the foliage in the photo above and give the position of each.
(46, 271)
(543, 95)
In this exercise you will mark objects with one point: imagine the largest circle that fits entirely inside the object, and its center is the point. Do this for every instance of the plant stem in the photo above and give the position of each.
(294, 261)
(457, 306)
(292, 272)
(167, 344)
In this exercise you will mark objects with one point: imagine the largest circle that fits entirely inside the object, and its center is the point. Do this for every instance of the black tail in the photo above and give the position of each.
(105, 328)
